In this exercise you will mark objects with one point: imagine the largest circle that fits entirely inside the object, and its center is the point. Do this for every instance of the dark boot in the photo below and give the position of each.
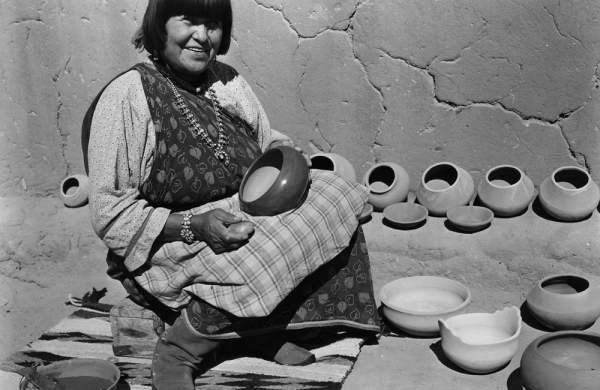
(177, 356)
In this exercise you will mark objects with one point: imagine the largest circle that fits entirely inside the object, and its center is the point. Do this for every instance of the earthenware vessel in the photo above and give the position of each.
(79, 373)
(334, 162)
(562, 360)
(75, 190)
(277, 181)
(569, 194)
(506, 190)
(415, 304)
(388, 183)
(470, 218)
(405, 215)
(481, 342)
(444, 185)
(565, 301)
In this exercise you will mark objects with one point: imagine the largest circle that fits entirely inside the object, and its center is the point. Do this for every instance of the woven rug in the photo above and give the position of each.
(87, 334)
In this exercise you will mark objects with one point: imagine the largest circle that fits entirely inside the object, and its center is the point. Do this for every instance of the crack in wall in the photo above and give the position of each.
(62, 135)
(558, 29)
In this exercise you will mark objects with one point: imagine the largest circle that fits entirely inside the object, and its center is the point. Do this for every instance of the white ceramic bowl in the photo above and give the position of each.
(415, 304)
(482, 342)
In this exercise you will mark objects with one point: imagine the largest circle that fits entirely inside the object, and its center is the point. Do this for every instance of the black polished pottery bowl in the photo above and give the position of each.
(276, 182)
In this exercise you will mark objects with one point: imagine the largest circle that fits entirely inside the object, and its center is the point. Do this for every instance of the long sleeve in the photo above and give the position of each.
(120, 154)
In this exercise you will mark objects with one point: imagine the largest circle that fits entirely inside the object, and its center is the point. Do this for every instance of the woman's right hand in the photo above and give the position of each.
(215, 227)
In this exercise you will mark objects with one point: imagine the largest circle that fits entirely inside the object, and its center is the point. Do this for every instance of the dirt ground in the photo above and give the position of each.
(51, 251)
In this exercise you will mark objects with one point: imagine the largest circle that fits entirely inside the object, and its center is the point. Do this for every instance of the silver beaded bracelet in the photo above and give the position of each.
(186, 232)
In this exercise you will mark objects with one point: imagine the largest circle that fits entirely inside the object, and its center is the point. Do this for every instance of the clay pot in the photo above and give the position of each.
(334, 162)
(562, 360)
(506, 190)
(388, 183)
(415, 304)
(563, 302)
(569, 194)
(443, 186)
(75, 190)
(79, 373)
(277, 181)
(481, 342)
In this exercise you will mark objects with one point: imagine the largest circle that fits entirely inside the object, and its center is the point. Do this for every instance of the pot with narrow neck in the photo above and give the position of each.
(565, 302)
(388, 183)
(569, 194)
(334, 162)
(506, 190)
(443, 186)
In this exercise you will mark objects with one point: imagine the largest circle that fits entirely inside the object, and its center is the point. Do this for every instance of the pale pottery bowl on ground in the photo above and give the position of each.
(482, 342)
(415, 304)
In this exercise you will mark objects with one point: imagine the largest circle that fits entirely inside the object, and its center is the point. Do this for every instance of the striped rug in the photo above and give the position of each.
(87, 334)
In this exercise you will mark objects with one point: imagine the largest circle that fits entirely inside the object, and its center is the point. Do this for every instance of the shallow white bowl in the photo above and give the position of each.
(415, 304)
(482, 342)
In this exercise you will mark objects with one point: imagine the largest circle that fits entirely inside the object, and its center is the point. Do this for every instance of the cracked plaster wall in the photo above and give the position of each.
(476, 82)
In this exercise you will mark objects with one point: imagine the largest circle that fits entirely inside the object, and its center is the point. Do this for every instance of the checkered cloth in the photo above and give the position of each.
(284, 249)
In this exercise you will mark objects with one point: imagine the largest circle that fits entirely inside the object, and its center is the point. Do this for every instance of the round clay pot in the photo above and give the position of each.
(275, 182)
(334, 162)
(443, 186)
(506, 190)
(74, 190)
(388, 183)
(562, 360)
(562, 302)
(569, 194)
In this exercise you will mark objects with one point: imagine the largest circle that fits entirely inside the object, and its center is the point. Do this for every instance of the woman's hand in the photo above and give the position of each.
(221, 230)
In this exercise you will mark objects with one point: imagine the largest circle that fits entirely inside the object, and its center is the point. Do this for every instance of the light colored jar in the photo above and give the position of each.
(565, 302)
(74, 190)
(445, 185)
(569, 194)
(334, 162)
(388, 183)
(506, 190)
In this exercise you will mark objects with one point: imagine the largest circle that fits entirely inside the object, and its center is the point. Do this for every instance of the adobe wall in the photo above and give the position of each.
(475, 82)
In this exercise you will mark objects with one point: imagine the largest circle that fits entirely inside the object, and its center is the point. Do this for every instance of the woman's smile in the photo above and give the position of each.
(192, 43)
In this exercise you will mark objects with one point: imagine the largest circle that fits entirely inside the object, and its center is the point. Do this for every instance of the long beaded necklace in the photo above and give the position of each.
(218, 147)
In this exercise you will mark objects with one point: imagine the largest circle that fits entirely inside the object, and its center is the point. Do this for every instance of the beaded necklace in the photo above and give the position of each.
(218, 147)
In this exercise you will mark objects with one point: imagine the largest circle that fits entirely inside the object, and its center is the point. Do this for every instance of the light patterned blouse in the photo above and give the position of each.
(121, 154)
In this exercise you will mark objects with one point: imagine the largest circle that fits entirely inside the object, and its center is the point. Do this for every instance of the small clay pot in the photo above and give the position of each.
(75, 190)
(443, 186)
(562, 302)
(277, 181)
(388, 183)
(569, 194)
(562, 360)
(335, 163)
(506, 190)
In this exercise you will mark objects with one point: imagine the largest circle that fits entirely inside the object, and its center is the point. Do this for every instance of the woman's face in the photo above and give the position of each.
(192, 43)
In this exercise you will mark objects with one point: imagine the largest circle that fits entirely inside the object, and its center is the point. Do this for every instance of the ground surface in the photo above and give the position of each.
(499, 264)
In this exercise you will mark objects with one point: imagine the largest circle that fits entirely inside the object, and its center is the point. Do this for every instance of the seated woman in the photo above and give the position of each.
(166, 145)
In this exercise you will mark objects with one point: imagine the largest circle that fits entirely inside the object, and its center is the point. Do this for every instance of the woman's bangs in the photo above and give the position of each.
(212, 9)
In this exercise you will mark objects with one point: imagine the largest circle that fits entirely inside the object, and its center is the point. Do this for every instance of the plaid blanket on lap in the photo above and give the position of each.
(284, 249)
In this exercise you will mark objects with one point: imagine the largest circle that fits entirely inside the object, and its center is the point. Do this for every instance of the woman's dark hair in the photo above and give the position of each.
(152, 35)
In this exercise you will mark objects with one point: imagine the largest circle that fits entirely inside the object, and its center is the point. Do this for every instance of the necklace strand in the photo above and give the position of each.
(218, 148)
